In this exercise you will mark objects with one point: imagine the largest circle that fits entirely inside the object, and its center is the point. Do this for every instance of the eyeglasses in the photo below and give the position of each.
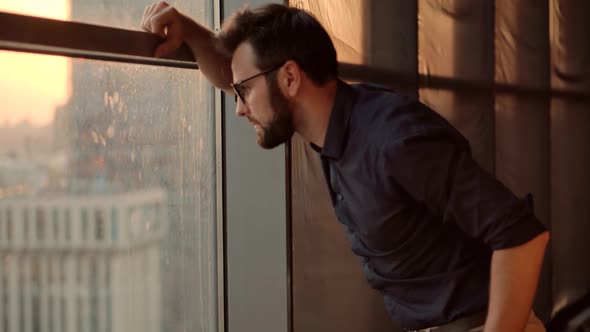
(239, 90)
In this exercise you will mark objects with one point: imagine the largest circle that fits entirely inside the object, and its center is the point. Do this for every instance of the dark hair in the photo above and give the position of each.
(279, 33)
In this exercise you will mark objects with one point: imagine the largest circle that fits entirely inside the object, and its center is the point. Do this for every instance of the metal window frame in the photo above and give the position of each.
(256, 201)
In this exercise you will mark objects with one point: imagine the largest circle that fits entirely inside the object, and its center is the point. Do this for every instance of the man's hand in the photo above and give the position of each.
(166, 21)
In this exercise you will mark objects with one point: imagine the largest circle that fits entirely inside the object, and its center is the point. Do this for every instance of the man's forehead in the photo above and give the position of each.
(243, 60)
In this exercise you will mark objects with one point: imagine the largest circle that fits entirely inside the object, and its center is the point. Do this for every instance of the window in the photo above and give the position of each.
(91, 139)
(67, 222)
(50, 297)
(4, 297)
(8, 225)
(2, 229)
(26, 224)
(21, 295)
(55, 222)
(40, 220)
(98, 225)
(114, 224)
(84, 228)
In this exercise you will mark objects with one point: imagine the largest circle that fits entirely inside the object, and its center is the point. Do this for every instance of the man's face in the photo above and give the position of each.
(265, 107)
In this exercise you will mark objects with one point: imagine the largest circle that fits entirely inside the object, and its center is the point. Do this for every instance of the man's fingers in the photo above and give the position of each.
(162, 19)
(161, 5)
(157, 26)
(149, 12)
(145, 12)
(167, 47)
(167, 25)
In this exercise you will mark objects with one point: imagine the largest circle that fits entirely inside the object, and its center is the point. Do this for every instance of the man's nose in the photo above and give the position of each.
(241, 108)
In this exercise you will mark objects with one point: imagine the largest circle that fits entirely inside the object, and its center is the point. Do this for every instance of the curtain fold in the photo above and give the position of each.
(456, 39)
(570, 152)
(522, 123)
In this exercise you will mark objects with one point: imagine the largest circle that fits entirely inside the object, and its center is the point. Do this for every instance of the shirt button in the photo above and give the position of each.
(339, 197)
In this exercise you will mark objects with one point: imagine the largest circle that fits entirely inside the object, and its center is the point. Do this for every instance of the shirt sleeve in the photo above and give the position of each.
(438, 171)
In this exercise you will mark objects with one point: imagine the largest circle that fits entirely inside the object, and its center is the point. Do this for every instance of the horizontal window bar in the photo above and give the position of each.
(47, 36)
(41, 35)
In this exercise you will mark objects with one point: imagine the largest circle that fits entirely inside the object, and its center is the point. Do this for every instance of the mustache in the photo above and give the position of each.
(252, 121)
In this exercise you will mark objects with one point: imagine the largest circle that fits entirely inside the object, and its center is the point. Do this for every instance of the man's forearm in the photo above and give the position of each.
(514, 278)
(214, 65)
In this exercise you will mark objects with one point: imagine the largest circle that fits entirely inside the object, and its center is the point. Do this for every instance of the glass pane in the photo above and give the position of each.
(107, 197)
(121, 14)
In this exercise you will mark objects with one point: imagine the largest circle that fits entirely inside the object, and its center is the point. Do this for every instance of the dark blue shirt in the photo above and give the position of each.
(421, 214)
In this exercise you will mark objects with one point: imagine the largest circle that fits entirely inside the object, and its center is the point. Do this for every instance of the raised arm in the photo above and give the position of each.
(162, 19)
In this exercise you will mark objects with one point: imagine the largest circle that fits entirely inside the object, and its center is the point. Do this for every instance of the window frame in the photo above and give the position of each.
(89, 41)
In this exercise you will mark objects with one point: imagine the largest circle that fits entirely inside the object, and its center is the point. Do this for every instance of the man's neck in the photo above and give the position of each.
(314, 112)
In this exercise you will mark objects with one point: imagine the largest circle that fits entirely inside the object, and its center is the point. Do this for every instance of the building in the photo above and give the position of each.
(86, 263)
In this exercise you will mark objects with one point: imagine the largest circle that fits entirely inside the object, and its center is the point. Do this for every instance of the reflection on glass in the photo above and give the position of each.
(54, 9)
(119, 14)
(107, 208)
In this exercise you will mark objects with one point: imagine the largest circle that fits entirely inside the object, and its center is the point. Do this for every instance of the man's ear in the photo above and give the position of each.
(291, 78)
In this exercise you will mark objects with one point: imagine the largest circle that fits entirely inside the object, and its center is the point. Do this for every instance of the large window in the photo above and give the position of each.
(108, 191)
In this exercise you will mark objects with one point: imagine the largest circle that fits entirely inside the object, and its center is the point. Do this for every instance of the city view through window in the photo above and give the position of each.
(107, 186)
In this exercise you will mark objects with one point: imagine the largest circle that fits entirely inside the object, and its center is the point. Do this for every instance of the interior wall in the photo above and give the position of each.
(538, 145)
(522, 123)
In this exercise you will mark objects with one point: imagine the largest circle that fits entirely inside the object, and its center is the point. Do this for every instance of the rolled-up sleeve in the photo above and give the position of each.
(440, 173)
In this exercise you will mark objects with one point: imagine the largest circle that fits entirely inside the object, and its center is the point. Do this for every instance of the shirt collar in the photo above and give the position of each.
(336, 134)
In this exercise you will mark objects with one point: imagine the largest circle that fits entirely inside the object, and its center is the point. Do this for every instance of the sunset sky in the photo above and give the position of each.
(31, 86)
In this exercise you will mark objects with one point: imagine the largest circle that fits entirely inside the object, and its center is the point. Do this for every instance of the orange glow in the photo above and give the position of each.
(32, 86)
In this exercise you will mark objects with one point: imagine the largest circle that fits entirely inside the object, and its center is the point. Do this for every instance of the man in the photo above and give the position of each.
(447, 245)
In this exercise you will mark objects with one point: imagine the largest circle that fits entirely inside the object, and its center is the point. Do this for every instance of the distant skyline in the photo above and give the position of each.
(32, 86)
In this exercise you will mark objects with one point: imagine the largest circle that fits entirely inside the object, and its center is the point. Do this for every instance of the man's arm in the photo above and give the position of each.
(514, 278)
(438, 170)
(164, 20)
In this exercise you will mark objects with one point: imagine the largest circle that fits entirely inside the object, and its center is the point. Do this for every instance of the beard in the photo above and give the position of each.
(280, 128)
